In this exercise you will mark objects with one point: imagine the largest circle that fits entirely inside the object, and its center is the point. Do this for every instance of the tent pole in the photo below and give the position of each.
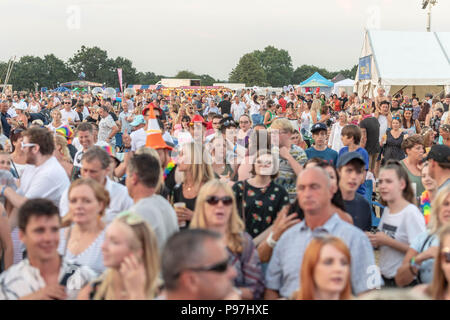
(398, 91)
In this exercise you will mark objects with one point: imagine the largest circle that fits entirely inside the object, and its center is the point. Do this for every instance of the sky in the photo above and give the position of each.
(207, 36)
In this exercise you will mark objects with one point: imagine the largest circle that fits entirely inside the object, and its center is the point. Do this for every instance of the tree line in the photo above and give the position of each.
(268, 67)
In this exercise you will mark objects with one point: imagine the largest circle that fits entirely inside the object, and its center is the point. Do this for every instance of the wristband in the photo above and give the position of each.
(270, 240)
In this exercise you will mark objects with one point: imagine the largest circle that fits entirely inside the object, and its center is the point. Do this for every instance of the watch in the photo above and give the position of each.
(270, 240)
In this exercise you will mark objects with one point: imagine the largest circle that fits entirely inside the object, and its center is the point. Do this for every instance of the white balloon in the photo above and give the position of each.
(110, 93)
(130, 92)
(97, 90)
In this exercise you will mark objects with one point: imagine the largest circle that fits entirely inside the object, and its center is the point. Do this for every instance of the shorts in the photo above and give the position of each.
(372, 161)
(257, 118)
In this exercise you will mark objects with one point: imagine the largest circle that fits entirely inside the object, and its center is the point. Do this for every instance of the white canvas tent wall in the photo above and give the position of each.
(343, 85)
(416, 62)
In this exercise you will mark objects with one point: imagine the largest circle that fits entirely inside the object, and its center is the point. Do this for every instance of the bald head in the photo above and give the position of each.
(314, 191)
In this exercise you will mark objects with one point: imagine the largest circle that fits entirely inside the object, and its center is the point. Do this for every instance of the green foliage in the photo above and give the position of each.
(249, 71)
(270, 66)
(277, 65)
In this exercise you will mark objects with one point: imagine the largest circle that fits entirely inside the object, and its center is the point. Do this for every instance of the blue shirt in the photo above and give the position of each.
(427, 266)
(328, 155)
(283, 272)
(365, 155)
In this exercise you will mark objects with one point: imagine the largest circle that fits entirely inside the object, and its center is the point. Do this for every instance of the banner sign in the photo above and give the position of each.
(365, 68)
(119, 71)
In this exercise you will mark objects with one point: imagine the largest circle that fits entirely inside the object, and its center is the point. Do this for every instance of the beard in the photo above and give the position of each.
(30, 159)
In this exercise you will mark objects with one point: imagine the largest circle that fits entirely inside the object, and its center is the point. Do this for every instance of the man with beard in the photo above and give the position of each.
(46, 178)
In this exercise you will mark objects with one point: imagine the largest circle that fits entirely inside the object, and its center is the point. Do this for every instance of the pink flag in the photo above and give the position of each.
(119, 71)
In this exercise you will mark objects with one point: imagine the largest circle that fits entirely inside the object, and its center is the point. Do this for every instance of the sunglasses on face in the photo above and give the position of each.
(219, 267)
(264, 162)
(67, 102)
(214, 200)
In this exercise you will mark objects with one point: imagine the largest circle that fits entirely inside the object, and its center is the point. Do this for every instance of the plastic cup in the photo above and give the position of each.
(180, 205)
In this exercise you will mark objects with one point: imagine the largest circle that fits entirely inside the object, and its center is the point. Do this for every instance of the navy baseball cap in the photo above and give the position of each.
(318, 126)
(439, 153)
(347, 157)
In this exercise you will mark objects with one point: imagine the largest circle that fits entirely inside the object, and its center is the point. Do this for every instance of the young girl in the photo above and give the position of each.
(400, 223)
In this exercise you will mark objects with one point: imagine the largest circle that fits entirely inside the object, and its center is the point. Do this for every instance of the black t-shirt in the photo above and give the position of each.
(359, 209)
(372, 127)
(343, 102)
(445, 107)
(225, 106)
(113, 115)
(177, 196)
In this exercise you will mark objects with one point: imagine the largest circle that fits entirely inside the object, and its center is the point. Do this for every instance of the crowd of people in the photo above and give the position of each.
(242, 194)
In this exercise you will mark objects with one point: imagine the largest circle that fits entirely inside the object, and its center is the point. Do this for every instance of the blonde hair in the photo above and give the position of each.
(235, 228)
(145, 239)
(440, 283)
(282, 124)
(152, 152)
(100, 193)
(61, 142)
(435, 225)
(316, 106)
(201, 170)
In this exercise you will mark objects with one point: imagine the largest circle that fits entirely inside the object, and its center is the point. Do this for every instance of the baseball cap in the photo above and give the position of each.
(439, 153)
(137, 121)
(318, 126)
(347, 157)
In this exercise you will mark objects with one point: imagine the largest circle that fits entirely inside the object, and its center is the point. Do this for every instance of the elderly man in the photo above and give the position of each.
(314, 192)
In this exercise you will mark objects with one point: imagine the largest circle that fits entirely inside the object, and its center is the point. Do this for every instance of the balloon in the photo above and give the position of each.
(130, 92)
(97, 90)
(110, 93)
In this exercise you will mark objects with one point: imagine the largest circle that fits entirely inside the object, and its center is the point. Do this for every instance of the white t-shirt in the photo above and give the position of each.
(160, 215)
(335, 141)
(53, 128)
(184, 137)
(238, 110)
(403, 226)
(66, 115)
(383, 125)
(48, 181)
(34, 108)
(138, 139)
(254, 108)
(105, 127)
(120, 200)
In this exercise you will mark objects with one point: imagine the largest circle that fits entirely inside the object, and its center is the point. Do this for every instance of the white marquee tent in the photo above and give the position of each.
(343, 85)
(415, 62)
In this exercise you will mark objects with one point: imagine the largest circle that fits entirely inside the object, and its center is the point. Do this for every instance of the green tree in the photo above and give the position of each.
(129, 73)
(249, 71)
(277, 65)
(56, 71)
(148, 78)
(186, 74)
(28, 71)
(94, 62)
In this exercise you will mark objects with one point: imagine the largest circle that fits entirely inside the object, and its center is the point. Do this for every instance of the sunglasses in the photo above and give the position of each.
(214, 200)
(67, 102)
(219, 267)
(395, 118)
(25, 145)
(264, 162)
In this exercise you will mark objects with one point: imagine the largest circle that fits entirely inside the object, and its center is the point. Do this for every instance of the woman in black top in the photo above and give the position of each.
(259, 199)
(196, 173)
(394, 138)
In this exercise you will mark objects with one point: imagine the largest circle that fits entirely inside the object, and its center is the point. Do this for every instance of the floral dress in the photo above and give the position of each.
(261, 205)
